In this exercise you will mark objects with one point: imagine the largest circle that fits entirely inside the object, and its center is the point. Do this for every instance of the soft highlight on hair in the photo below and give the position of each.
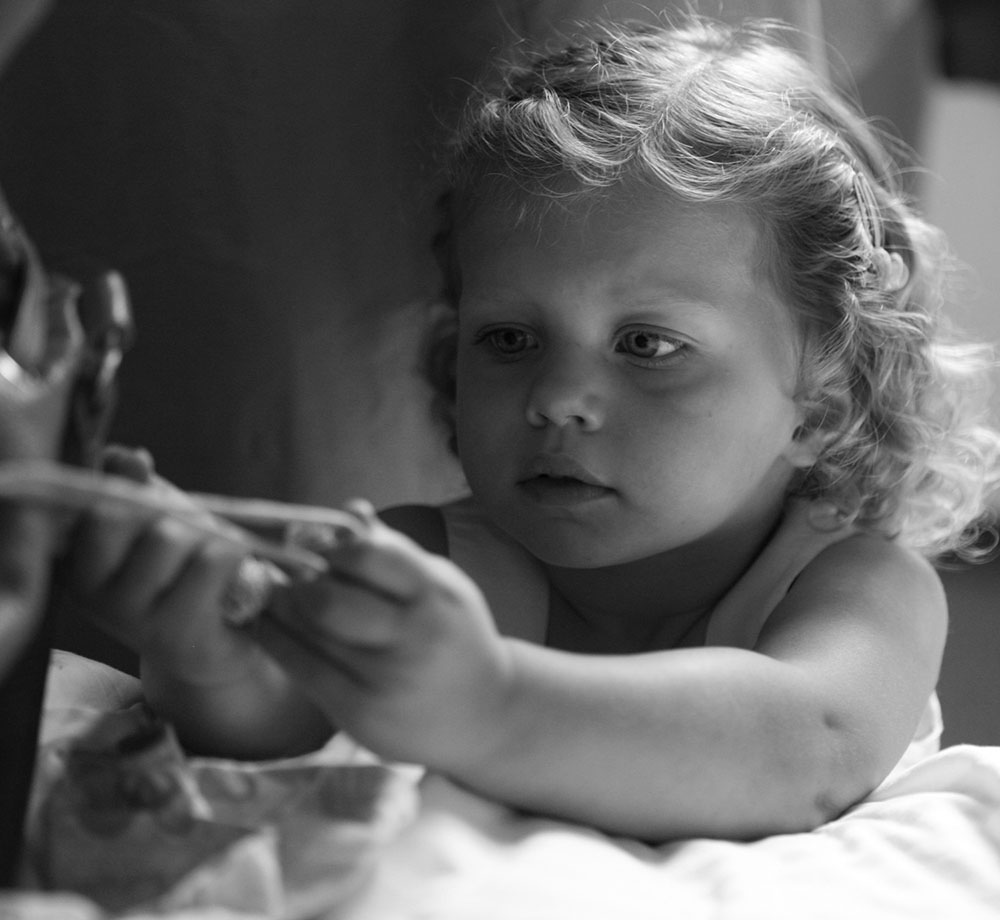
(896, 404)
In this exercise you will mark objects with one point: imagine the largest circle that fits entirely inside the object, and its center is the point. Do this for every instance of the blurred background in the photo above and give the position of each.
(263, 174)
(959, 142)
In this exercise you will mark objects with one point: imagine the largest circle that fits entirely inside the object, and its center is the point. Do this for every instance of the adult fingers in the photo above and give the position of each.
(128, 462)
(325, 674)
(184, 624)
(154, 562)
(98, 546)
(194, 584)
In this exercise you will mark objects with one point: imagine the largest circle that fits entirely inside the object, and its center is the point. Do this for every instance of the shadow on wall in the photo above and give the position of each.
(262, 174)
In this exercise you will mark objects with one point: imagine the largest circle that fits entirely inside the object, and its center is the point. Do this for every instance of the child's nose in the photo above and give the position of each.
(566, 392)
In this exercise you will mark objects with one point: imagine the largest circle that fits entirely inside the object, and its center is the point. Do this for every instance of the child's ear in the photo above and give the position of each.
(804, 448)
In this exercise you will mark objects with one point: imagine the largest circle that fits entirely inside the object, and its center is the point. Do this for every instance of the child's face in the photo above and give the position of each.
(625, 377)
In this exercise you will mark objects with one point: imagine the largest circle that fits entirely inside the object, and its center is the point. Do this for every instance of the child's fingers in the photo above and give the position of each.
(384, 560)
(330, 611)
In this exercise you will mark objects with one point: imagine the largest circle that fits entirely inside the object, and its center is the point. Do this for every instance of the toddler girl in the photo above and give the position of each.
(713, 431)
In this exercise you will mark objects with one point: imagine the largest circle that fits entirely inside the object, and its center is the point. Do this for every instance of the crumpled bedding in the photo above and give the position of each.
(121, 818)
(926, 845)
(405, 846)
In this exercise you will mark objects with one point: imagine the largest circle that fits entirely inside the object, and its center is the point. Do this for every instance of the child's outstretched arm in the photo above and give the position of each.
(160, 586)
(400, 649)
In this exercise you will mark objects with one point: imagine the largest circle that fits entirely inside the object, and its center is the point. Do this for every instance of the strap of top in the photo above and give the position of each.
(804, 532)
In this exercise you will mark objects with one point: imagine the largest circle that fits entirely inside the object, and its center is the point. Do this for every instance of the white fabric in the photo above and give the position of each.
(926, 846)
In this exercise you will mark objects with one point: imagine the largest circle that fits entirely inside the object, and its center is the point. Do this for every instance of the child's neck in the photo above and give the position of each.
(659, 602)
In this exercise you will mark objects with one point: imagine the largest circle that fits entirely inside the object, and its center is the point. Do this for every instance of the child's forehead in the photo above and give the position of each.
(633, 246)
(624, 217)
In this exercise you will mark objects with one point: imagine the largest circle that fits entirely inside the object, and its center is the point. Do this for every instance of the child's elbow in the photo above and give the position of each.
(847, 772)
(797, 813)
(819, 777)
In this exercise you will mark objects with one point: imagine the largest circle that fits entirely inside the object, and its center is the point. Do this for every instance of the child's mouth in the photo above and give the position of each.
(562, 490)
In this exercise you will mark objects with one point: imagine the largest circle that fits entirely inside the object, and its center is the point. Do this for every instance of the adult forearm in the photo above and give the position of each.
(707, 741)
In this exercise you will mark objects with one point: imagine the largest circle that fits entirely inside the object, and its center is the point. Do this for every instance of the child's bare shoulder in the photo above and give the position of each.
(879, 580)
(865, 559)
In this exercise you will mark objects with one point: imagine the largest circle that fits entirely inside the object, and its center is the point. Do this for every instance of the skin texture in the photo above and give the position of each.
(626, 412)
(588, 291)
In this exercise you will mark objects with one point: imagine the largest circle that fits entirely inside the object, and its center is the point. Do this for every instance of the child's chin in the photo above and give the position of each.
(573, 553)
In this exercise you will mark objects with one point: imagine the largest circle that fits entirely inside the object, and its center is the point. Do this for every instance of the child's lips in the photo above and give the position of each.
(556, 490)
(555, 479)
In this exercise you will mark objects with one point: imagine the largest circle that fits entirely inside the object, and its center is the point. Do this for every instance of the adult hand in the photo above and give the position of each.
(155, 583)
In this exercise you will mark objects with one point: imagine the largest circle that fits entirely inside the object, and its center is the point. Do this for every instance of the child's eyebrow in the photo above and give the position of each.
(669, 298)
(673, 299)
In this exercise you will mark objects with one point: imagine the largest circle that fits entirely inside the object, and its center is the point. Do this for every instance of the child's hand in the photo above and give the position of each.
(156, 584)
(396, 645)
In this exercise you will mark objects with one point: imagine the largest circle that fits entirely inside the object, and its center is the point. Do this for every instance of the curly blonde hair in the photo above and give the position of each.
(712, 112)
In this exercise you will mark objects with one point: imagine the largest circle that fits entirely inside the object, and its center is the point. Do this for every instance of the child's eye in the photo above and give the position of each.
(507, 341)
(648, 345)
